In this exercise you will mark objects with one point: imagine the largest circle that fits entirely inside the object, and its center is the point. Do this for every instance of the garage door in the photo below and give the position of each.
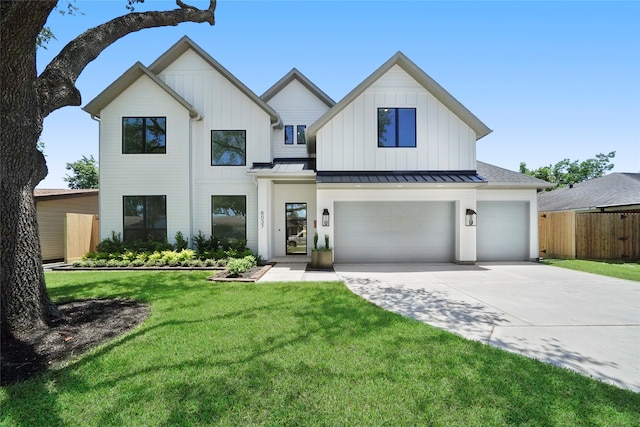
(394, 232)
(502, 231)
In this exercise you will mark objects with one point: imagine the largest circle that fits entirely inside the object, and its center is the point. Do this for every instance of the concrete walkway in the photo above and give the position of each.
(296, 272)
(585, 322)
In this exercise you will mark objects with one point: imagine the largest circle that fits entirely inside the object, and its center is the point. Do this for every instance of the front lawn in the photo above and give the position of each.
(621, 270)
(293, 354)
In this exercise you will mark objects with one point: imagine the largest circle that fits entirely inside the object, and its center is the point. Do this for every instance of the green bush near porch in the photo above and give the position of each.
(293, 354)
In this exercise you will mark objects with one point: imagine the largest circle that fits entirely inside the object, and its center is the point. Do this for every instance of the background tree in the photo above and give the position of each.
(567, 172)
(25, 100)
(84, 173)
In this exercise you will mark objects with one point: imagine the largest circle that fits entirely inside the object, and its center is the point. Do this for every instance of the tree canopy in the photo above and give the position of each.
(84, 173)
(567, 172)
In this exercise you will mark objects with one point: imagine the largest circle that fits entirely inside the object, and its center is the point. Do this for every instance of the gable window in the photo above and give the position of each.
(228, 147)
(144, 218)
(144, 135)
(300, 136)
(396, 127)
(288, 135)
(302, 139)
(229, 218)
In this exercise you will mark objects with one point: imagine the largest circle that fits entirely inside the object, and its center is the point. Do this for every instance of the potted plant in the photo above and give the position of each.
(321, 257)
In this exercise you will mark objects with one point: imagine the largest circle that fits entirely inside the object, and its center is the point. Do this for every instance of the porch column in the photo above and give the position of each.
(465, 234)
(265, 220)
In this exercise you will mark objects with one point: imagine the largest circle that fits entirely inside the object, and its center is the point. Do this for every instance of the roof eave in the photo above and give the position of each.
(186, 43)
(294, 74)
(422, 78)
(129, 77)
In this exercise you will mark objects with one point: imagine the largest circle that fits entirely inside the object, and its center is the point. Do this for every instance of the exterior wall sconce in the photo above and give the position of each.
(471, 217)
(325, 218)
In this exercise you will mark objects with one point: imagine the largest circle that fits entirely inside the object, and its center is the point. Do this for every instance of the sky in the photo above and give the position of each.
(553, 80)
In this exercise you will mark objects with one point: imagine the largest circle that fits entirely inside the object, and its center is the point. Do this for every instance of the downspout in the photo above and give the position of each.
(97, 119)
(197, 118)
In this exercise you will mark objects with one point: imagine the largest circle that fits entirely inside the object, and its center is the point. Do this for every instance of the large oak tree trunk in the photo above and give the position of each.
(26, 99)
(25, 302)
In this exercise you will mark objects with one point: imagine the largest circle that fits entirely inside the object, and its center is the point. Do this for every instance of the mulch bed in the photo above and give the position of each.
(89, 323)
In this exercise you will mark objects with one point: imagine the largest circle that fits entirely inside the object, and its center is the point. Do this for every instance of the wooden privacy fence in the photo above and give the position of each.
(589, 235)
(81, 235)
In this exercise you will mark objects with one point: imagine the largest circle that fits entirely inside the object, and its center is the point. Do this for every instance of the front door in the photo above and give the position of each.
(296, 228)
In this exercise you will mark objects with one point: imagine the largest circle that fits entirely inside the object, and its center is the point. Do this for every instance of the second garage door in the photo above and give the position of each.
(394, 232)
(502, 231)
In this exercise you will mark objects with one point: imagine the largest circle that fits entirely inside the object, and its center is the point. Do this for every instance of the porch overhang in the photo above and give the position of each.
(401, 177)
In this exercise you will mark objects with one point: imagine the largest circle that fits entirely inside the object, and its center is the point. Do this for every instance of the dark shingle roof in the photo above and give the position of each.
(616, 189)
(499, 176)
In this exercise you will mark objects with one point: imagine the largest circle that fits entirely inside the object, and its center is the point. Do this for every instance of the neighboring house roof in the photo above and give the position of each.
(57, 193)
(297, 75)
(137, 70)
(616, 189)
(504, 177)
(419, 76)
(186, 43)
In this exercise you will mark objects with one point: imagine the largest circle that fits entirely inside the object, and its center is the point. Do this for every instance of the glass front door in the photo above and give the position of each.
(296, 228)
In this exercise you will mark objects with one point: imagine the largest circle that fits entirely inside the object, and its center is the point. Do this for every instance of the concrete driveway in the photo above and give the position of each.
(585, 322)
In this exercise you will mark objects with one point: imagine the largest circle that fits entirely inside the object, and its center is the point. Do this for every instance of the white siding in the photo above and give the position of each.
(296, 106)
(51, 217)
(349, 140)
(223, 107)
(144, 174)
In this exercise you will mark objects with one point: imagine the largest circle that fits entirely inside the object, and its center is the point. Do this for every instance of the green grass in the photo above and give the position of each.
(621, 270)
(293, 354)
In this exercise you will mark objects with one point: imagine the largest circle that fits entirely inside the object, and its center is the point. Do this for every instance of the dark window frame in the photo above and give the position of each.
(145, 230)
(145, 149)
(213, 233)
(397, 127)
(288, 141)
(304, 134)
(244, 157)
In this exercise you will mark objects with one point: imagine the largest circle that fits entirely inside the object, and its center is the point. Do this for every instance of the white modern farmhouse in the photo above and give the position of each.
(389, 173)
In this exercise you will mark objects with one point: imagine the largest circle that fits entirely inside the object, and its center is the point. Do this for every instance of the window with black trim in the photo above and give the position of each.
(301, 134)
(229, 218)
(288, 135)
(228, 147)
(144, 218)
(396, 127)
(144, 135)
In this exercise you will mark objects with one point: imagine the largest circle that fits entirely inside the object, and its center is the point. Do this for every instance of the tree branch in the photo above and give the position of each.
(56, 84)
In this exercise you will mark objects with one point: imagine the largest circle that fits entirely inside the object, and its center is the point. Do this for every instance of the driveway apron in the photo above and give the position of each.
(581, 321)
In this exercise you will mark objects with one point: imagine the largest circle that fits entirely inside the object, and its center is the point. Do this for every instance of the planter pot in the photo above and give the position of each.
(321, 259)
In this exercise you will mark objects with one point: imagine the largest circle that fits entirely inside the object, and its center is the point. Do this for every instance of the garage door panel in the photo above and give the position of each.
(502, 231)
(394, 232)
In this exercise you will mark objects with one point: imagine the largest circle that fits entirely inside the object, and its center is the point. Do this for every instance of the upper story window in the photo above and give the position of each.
(396, 127)
(144, 218)
(300, 137)
(288, 135)
(144, 135)
(228, 148)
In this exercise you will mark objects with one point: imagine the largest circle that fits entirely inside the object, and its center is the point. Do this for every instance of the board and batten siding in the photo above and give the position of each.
(349, 141)
(144, 174)
(296, 105)
(223, 106)
(51, 215)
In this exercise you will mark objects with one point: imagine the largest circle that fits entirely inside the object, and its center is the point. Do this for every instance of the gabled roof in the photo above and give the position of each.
(616, 189)
(184, 44)
(419, 76)
(129, 77)
(294, 74)
(497, 176)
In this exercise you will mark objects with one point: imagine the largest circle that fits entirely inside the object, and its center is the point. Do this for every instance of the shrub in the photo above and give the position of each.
(111, 245)
(181, 242)
(237, 266)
